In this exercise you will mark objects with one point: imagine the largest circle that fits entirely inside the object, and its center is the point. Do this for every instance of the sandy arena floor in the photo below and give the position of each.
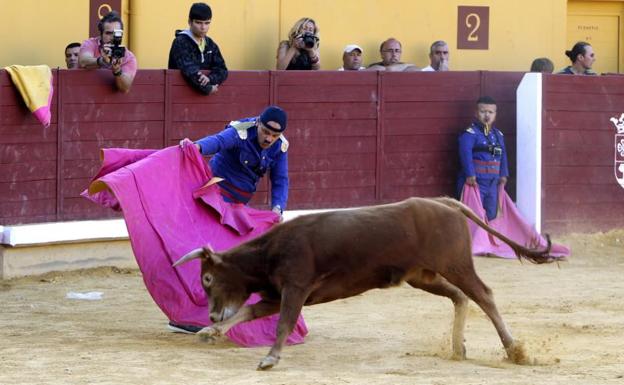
(570, 319)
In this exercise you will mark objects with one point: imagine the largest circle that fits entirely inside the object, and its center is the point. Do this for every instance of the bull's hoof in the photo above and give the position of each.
(517, 354)
(267, 363)
(459, 354)
(209, 334)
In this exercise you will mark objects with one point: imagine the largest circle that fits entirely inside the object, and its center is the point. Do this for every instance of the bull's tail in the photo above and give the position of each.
(532, 254)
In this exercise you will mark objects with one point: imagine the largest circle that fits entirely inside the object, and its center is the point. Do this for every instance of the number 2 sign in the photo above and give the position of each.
(473, 24)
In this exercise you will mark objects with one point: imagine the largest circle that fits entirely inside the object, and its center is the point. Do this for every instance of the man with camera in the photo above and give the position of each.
(483, 157)
(192, 51)
(107, 52)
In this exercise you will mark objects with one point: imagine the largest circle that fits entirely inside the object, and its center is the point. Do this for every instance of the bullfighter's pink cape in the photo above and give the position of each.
(169, 211)
(508, 222)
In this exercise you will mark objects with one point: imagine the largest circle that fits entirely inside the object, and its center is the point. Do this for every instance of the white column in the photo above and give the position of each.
(529, 148)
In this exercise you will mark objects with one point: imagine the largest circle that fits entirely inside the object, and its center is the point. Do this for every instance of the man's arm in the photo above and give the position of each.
(86, 56)
(212, 144)
(376, 67)
(279, 182)
(466, 143)
(182, 50)
(504, 169)
(87, 60)
(124, 71)
(218, 70)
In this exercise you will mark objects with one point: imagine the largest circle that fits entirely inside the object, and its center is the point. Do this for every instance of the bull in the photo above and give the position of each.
(322, 257)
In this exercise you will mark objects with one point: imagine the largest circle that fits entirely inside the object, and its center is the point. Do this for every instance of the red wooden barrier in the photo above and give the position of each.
(580, 192)
(356, 138)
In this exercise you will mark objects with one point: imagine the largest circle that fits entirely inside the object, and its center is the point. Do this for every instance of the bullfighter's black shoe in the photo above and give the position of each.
(180, 328)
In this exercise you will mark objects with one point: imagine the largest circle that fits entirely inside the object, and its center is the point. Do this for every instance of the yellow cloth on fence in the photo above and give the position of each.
(35, 85)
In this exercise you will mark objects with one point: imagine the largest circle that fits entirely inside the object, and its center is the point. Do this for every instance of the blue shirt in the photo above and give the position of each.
(476, 155)
(239, 159)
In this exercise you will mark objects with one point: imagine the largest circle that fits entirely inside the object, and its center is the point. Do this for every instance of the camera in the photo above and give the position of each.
(309, 40)
(495, 150)
(118, 51)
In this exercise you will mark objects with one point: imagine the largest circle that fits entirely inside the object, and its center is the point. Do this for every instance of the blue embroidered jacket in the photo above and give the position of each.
(478, 155)
(239, 159)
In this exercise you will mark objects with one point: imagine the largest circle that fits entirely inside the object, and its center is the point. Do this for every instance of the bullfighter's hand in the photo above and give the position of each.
(502, 180)
(471, 181)
(186, 141)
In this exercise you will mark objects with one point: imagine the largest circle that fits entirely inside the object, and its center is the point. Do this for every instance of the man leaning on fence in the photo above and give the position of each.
(192, 51)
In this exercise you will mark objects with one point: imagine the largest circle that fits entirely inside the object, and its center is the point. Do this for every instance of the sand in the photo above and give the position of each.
(570, 318)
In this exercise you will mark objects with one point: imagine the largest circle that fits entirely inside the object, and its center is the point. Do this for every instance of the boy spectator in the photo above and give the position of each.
(193, 51)
(97, 52)
(72, 51)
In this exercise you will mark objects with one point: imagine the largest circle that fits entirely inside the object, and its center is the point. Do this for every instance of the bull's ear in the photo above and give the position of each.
(213, 259)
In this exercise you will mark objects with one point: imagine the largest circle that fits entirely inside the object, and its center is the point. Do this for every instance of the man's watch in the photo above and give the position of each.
(118, 73)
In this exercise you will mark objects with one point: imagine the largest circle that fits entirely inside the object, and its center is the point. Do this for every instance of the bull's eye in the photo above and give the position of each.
(207, 280)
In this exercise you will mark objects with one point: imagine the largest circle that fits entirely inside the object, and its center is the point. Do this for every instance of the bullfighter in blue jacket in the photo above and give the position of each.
(245, 150)
(483, 156)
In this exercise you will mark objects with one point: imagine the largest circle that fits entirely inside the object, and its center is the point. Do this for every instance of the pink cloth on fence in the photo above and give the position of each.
(508, 222)
(169, 211)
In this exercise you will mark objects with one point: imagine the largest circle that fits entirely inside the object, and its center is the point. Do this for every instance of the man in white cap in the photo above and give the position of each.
(352, 58)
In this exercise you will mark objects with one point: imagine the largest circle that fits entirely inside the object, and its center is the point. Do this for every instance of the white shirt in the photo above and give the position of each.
(428, 68)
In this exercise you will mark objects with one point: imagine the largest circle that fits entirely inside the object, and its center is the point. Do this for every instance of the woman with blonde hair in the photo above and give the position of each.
(301, 50)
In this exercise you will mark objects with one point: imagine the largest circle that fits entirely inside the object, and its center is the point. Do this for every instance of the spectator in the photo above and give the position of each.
(582, 57)
(96, 52)
(193, 51)
(352, 58)
(390, 51)
(542, 64)
(438, 57)
(301, 50)
(71, 55)
(483, 157)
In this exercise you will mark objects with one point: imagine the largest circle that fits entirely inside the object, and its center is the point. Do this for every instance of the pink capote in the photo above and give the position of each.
(508, 222)
(168, 213)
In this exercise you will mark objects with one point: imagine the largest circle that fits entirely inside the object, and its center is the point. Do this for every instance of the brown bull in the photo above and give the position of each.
(323, 257)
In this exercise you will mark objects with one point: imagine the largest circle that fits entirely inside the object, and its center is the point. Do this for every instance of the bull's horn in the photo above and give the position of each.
(197, 253)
